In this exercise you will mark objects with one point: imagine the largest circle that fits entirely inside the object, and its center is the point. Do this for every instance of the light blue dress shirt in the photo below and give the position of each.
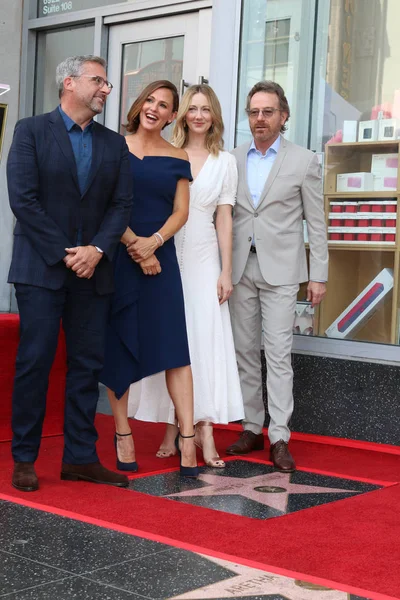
(259, 167)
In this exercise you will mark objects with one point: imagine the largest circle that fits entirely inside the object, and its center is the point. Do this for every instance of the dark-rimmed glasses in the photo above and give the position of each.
(99, 81)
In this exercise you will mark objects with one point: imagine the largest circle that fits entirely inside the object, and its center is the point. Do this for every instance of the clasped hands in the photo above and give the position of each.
(141, 250)
(82, 260)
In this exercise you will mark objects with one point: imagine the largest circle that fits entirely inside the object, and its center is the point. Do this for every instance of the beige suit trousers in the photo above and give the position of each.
(255, 304)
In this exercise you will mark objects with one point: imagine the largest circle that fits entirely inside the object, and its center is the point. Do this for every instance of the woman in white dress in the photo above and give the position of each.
(204, 251)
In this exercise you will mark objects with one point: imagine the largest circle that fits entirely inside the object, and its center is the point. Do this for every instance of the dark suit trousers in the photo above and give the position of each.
(84, 314)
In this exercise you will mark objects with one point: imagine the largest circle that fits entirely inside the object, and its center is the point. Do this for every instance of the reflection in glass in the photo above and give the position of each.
(144, 62)
(277, 44)
(357, 123)
(358, 68)
(53, 47)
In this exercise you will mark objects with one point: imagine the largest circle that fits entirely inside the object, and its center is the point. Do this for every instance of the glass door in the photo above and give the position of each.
(277, 44)
(161, 48)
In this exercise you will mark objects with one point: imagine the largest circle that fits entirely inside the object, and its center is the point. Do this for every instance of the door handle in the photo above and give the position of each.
(202, 80)
(182, 85)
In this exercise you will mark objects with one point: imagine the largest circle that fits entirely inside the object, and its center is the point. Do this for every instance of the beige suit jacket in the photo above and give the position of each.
(293, 189)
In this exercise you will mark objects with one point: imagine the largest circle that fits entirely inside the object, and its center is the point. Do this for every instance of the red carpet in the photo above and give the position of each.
(354, 542)
(9, 335)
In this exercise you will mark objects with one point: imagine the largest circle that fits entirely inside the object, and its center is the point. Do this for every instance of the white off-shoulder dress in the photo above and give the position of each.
(217, 394)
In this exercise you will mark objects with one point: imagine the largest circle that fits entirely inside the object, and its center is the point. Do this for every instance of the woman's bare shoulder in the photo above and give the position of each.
(180, 153)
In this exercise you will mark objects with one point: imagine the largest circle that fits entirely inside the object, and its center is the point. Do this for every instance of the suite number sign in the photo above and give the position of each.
(59, 7)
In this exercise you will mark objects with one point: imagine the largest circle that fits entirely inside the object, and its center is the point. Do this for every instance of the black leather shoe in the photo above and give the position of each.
(281, 457)
(247, 442)
(24, 477)
(93, 472)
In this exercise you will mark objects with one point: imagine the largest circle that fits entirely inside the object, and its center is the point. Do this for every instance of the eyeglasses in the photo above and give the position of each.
(99, 81)
(267, 113)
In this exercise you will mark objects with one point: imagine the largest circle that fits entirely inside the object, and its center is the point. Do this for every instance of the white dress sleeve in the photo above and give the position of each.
(230, 182)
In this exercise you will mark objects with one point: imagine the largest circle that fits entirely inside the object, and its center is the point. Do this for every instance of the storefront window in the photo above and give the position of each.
(277, 43)
(338, 63)
(356, 123)
(53, 47)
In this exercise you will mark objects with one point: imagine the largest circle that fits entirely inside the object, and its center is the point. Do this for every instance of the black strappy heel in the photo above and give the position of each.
(123, 466)
(186, 471)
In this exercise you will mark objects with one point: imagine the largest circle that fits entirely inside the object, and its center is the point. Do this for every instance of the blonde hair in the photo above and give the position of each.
(180, 134)
(133, 117)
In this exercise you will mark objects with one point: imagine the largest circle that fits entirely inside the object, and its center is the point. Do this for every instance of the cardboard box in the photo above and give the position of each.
(384, 183)
(368, 131)
(358, 313)
(388, 129)
(304, 319)
(354, 182)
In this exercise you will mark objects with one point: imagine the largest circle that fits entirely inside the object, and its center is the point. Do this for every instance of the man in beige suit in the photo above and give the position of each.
(279, 185)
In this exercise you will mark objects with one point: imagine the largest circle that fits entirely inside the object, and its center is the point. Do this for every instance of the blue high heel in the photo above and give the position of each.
(186, 471)
(123, 466)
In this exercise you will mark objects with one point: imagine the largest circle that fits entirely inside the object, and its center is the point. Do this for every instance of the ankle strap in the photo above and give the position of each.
(186, 436)
(123, 434)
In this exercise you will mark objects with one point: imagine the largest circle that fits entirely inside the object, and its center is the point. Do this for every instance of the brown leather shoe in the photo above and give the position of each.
(93, 472)
(281, 457)
(24, 477)
(247, 442)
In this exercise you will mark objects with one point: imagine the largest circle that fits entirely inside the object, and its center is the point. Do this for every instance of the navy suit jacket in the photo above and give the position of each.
(49, 207)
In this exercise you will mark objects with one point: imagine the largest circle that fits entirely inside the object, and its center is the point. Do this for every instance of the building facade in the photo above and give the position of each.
(338, 63)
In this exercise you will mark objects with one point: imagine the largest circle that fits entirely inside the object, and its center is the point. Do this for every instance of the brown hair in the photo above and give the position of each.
(180, 134)
(271, 87)
(134, 111)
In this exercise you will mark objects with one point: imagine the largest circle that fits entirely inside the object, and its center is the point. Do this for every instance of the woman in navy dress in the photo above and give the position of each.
(147, 330)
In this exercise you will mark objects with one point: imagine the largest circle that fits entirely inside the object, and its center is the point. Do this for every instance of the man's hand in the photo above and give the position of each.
(82, 260)
(315, 292)
(151, 266)
(224, 287)
(142, 248)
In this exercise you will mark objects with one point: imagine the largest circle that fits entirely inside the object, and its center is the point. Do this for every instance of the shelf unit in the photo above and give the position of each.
(353, 265)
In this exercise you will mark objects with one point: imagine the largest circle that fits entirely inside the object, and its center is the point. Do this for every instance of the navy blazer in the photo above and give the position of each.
(45, 198)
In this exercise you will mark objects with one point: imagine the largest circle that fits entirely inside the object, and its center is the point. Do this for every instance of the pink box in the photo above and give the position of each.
(354, 182)
(385, 182)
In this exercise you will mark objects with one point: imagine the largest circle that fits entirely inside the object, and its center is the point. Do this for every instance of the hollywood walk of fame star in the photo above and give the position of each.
(250, 487)
(249, 582)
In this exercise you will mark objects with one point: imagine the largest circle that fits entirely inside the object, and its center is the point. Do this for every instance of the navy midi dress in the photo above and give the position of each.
(146, 332)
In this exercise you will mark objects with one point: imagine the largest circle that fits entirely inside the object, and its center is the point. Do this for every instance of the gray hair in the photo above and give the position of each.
(72, 66)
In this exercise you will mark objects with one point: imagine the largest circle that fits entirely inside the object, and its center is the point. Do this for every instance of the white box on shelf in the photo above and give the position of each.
(370, 230)
(366, 216)
(368, 131)
(354, 182)
(304, 318)
(385, 164)
(389, 129)
(363, 307)
(384, 183)
(349, 131)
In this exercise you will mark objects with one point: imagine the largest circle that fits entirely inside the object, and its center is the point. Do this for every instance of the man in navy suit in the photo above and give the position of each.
(70, 189)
